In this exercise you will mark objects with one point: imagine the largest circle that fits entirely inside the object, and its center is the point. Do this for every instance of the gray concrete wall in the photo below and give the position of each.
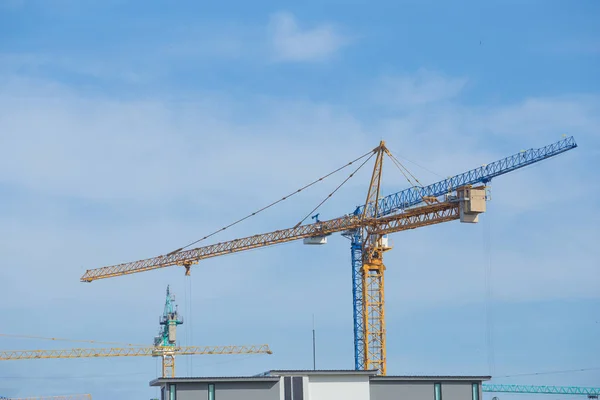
(457, 391)
(383, 390)
(389, 390)
(192, 391)
(229, 391)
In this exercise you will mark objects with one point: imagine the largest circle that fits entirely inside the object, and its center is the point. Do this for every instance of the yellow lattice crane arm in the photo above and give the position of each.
(167, 353)
(75, 353)
(62, 397)
(413, 218)
(132, 352)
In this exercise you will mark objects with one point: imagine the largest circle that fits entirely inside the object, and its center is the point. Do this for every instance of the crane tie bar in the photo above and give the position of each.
(274, 203)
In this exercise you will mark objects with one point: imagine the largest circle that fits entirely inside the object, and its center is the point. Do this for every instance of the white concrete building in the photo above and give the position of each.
(322, 385)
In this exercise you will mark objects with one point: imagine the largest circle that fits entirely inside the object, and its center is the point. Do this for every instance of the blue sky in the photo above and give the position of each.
(128, 129)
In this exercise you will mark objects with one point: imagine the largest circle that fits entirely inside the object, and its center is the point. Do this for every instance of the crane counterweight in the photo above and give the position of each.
(472, 203)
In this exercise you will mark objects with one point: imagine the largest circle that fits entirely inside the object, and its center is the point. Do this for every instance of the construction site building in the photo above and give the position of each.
(322, 385)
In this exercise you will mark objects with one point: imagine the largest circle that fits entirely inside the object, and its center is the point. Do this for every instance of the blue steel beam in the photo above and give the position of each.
(414, 195)
(577, 390)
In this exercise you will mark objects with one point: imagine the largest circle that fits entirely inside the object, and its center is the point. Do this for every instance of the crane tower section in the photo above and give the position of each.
(167, 334)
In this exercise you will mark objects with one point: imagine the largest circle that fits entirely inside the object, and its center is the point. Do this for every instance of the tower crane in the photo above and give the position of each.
(165, 346)
(368, 311)
(460, 197)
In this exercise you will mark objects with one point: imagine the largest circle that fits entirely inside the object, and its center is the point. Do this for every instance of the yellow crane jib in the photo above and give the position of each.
(409, 219)
(165, 345)
(131, 352)
(167, 353)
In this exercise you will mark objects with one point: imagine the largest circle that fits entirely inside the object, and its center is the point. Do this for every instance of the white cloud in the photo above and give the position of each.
(418, 89)
(227, 46)
(151, 151)
(151, 60)
(579, 46)
(101, 68)
(12, 4)
(294, 44)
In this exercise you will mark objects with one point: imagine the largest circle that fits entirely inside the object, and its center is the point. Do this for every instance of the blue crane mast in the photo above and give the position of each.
(413, 196)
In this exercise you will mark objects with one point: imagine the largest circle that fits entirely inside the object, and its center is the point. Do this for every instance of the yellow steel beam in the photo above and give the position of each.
(132, 352)
(417, 218)
(215, 350)
(374, 317)
(414, 218)
(372, 272)
(168, 366)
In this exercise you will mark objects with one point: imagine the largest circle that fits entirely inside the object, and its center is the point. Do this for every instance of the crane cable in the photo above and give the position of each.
(191, 324)
(418, 165)
(549, 372)
(187, 326)
(332, 193)
(396, 162)
(402, 168)
(489, 296)
(274, 203)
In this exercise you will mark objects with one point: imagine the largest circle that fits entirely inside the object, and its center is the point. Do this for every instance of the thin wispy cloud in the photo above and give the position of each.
(575, 47)
(12, 4)
(291, 42)
(421, 88)
(283, 39)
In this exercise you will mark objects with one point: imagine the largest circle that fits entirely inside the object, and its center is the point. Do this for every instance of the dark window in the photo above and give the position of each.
(475, 389)
(297, 389)
(162, 393)
(211, 391)
(287, 388)
(437, 391)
